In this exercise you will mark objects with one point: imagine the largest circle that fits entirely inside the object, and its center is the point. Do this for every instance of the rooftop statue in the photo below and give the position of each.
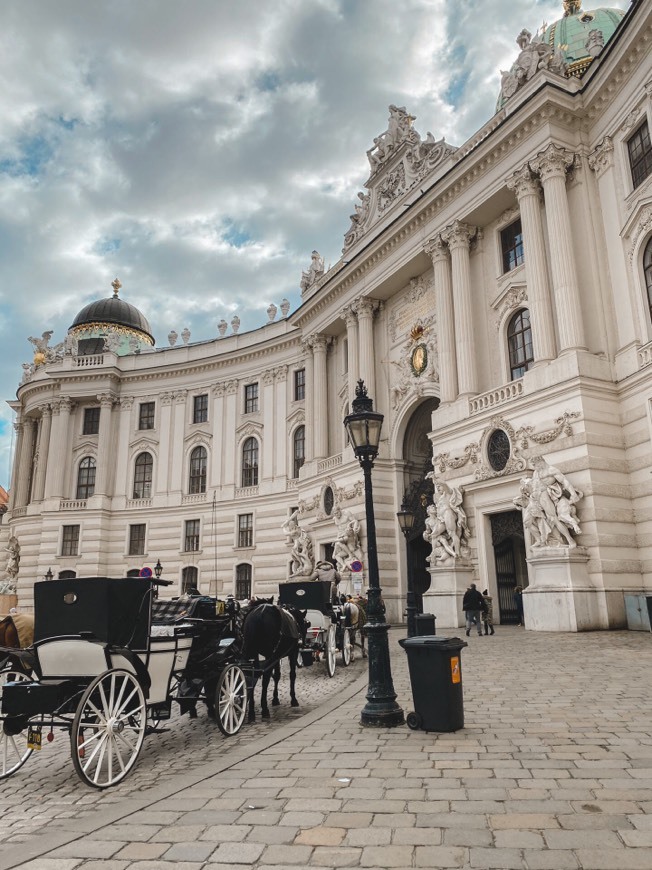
(399, 128)
(314, 271)
(535, 55)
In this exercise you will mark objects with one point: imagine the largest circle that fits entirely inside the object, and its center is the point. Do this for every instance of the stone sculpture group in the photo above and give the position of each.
(548, 500)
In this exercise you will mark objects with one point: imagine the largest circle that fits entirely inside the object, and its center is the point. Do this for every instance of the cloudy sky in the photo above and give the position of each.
(199, 150)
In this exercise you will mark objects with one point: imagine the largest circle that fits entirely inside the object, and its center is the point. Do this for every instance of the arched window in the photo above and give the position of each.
(298, 449)
(133, 572)
(198, 459)
(242, 581)
(647, 268)
(143, 472)
(519, 342)
(250, 462)
(189, 579)
(86, 477)
(67, 575)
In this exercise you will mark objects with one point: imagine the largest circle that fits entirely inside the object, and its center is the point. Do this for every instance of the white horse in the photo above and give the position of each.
(355, 618)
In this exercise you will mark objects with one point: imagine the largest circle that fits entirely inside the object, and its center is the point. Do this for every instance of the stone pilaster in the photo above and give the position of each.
(59, 447)
(527, 191)
(25, 461)
(320, 394)
(458, 236)
(306, 344)
(438, 250)
(103, 479)
(123, 480)
(352, 360)
(280, 410)
(552, 165)
(365, 308)
(217, 422)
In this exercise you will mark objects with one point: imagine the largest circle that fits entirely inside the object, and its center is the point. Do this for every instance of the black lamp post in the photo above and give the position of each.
(158, 569)
(406, 522)
(363, 426)
(48, 574)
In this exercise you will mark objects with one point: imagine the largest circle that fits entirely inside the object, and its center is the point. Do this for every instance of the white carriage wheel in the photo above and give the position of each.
(108, 728)
(331, 650)
(231, 700)
(346, 647)
(13, 747)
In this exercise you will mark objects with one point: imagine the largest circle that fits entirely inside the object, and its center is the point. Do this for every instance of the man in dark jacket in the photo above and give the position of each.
(473, 605)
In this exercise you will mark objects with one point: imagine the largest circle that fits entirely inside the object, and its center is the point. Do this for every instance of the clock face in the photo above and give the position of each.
(419, 359)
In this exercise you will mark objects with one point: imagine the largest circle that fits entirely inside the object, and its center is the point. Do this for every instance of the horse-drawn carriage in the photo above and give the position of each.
(106, 664)
(327, 631)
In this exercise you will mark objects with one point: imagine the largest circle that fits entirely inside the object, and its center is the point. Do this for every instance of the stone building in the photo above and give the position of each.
(494, 297)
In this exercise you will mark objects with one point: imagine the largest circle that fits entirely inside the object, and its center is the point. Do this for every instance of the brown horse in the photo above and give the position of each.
(16, 632)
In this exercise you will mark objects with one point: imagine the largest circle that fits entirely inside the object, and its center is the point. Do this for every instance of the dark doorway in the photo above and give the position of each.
(511, 568)
(328, 553)
(416, 499)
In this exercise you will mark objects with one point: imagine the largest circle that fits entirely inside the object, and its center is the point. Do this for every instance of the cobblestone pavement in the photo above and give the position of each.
(552, 770)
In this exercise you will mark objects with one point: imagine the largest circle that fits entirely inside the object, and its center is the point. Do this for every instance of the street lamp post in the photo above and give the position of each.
(406, 522)
(158, 569)
(48, 574)
(363, 426)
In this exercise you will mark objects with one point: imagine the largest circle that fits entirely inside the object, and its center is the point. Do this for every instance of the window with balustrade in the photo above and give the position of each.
(86, 478)
(198, 465)
(143, 474)
(250, 462)
(519, 343)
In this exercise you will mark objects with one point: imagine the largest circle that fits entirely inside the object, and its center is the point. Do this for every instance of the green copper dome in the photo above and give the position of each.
(570, 34)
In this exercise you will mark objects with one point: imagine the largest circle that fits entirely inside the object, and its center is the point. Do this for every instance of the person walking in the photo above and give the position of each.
(518, 600)
(488, 613)
(473, 605)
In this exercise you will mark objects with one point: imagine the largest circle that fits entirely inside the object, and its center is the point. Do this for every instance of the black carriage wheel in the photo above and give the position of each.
(13, 747)
(413, 721)
(347, 647)
(108, 729)
(231, 700)
(331, 650)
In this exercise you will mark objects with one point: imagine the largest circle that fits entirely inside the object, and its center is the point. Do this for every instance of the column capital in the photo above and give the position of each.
(65, 403)
(46, 410)
(458, 235)
(126, 403)
(320, 342)
(268, 377)
(180, 396)
(523, 183)
(601, 158)
(349, 316)
(552, 162)
(281, 373)
(218, 389)
(106, 400)
(437, 249)
(231, 387)
(365, 306)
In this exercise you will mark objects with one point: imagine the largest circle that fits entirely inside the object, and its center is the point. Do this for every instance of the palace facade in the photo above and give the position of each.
(496, 300)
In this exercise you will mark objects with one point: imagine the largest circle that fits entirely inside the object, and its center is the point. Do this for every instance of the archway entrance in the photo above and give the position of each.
(508, 542)
(417, 453)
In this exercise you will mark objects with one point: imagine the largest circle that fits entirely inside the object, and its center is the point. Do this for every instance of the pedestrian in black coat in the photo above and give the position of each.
(473, 606)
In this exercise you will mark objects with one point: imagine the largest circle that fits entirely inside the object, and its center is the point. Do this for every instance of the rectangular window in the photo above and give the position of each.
(200, 409)
(70, 541)
(251, 398)
(137, 540)
(242, 582)
(191, 541)
(146, 415)
(245, 530)
(91, 421)
(299, 385)
(511, 242)
(640, 154)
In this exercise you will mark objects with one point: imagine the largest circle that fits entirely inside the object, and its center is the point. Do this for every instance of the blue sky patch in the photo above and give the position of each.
(236, 236)
(35, 153)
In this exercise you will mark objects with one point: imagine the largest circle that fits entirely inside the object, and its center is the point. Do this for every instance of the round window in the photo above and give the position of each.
(498, 449)
(329, 501)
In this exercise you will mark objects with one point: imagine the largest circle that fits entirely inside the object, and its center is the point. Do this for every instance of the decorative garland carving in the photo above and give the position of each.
(341, 494)
(562, 427)
(443, 462)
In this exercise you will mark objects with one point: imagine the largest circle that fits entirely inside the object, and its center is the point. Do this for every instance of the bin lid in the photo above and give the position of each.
(445, 644)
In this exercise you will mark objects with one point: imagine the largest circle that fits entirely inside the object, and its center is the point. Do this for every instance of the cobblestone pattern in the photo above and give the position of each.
(553, 770)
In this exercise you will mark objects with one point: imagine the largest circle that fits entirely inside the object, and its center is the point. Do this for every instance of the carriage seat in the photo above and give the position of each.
(168, 611)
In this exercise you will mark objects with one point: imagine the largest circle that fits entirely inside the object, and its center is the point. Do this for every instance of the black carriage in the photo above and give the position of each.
(107, 662)
(327, 632)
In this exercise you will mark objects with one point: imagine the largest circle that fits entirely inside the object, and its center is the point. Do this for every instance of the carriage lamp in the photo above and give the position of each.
(158, 569)
(48, 574)
(363, 427)
(406, 521)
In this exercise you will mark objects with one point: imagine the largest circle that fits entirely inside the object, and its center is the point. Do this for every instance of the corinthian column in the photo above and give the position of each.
(13, 488)
(42, 450)
(459, 237)
(320, 396)
(552, 165)
(352, 355)
(306, 344)
(102, 479)
(25, 462)
(365, 309)
(438, 251)
(527, 191)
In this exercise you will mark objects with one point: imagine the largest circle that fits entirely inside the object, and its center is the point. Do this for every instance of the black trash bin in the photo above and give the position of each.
(425, 623)
(435, 665)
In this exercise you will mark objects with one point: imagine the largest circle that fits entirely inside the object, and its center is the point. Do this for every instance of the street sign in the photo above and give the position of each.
(145, 572)
(356, 566)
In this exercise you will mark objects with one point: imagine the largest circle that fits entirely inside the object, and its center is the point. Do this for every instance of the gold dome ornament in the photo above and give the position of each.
(572, 7)
(39, 358)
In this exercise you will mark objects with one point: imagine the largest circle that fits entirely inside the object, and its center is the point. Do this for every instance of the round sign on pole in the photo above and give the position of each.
(145, 572)
(356, 566)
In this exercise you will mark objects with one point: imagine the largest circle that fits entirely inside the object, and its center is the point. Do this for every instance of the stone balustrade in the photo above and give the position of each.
(495, 397)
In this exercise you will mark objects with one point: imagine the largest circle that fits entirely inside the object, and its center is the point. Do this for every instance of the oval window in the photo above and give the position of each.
(498, 449)
(329, 501)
